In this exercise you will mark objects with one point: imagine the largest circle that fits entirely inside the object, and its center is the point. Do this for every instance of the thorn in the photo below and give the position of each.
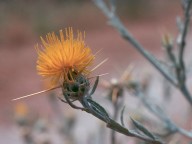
(98, 75)
(98, 52)
(43, 91)
(99, 64)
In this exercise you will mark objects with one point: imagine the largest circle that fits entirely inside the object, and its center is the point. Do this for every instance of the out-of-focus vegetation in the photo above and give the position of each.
(22, 20)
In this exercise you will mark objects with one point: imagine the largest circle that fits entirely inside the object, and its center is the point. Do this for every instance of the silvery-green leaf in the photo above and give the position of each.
(98, 108)
(95, 86)
(122, 113)
(140, 127)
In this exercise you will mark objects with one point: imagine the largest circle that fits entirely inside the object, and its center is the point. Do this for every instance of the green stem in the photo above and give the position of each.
(116, 109)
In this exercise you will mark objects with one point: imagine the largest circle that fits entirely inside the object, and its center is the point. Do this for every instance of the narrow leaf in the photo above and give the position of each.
(122, 116)
(142, 129)
(95, 85)
(98, 108)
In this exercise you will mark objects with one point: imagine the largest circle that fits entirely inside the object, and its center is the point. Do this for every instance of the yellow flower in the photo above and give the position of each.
(63, 58)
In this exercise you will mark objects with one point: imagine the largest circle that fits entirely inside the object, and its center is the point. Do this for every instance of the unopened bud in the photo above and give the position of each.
(167, 41)
(77, 88)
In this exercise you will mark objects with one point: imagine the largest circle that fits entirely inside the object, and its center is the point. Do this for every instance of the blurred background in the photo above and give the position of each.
(22, 22)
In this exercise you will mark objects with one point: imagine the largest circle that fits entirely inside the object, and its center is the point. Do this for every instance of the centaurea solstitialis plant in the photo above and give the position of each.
(175, 71)
(65, 62)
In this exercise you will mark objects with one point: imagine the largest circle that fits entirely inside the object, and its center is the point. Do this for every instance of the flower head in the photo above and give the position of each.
(65, 61)
(63, 57)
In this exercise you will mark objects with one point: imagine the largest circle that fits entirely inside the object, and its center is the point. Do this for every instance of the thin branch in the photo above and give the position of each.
(115, 114)
(113, 135)
(99, 112)
(117, 127)
(117, 101)
(182, 43)
(181, 70)
(158, 112)
(116, 23)
(170, 61)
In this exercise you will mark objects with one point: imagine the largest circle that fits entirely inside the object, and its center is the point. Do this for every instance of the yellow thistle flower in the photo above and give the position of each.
(64, 57)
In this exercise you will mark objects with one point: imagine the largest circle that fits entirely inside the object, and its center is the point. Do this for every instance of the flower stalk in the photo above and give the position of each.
(90, 106)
